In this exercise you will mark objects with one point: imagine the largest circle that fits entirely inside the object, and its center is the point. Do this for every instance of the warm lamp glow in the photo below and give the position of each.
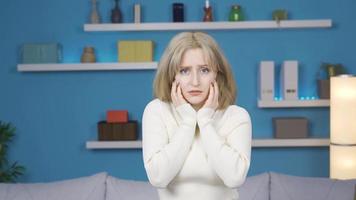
(343, 127)
(343, 110)
(342, 162)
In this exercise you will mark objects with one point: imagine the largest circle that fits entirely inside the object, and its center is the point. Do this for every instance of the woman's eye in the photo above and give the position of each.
(183, 71)
(205, 70)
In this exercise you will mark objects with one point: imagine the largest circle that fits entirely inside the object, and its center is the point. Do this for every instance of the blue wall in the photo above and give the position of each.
(56, 113)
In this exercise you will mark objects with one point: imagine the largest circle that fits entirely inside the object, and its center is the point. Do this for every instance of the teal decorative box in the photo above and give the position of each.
(41, 53)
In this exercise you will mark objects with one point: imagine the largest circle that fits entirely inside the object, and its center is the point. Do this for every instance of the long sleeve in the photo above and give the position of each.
(164, 156)
(229, 156)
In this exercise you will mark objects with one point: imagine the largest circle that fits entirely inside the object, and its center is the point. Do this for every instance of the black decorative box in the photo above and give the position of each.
(117, 131)
(290, 127)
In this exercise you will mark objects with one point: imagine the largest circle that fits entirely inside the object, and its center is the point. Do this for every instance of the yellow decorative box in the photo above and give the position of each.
(135, 51)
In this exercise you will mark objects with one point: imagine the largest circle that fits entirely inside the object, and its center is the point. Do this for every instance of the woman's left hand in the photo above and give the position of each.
(213, 97)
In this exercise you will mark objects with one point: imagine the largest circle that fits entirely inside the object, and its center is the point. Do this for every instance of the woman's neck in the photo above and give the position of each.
(197, 107)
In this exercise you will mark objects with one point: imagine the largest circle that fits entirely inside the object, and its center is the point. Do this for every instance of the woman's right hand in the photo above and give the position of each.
(176, 94)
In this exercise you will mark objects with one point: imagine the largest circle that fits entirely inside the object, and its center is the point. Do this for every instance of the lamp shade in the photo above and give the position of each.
(343, 127)
(343, 110)
(342, 162)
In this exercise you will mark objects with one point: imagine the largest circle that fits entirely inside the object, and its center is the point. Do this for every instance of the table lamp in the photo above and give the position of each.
(343, 127)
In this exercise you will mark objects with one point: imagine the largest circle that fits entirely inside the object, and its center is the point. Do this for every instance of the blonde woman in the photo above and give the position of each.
(196, 142)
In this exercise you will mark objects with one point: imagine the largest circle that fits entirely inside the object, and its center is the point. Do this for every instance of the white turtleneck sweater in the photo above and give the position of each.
(191, 155)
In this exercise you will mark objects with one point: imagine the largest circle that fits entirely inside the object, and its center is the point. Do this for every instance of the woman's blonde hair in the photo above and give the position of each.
(171, 60)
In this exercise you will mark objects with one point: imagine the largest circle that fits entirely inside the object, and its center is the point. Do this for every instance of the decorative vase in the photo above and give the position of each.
(88, 55)
(236, 13)
(208, 12)
(94, 16)
(116, 13)
(208, 16)
(137, 13)
(178, 12)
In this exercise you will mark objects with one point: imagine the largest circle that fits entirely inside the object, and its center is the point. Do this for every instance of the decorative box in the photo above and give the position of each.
(144, 51)
(126, 51)
(266, 80)
(117, 131)
(41, 53)
(117, 116)
(135, 51)
(290, 127)
(324, 88)
(289, 80)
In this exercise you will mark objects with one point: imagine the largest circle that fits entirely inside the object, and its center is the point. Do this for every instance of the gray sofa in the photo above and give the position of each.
(101, 186)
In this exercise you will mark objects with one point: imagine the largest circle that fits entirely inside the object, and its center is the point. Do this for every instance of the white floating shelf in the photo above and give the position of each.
(114, 144)
(322, 23)
(85, 66)
(305, 142)
(294, 103)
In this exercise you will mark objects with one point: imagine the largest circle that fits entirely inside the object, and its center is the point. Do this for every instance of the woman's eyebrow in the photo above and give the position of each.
(185, 66)
(202, 65)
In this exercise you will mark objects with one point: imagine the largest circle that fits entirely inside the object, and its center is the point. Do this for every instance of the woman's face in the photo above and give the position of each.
(194, 77)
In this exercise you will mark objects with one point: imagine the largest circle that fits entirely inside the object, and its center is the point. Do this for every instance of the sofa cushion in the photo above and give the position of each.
(286, 187)
(85, 188)
(120, 189)
(255, 188)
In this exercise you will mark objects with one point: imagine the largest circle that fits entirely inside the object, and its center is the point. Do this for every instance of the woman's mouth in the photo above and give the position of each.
(195, 92)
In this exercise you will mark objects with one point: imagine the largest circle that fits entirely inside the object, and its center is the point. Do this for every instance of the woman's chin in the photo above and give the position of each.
(196, 104)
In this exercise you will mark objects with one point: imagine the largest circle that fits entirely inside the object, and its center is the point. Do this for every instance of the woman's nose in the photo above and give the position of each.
(195, 79)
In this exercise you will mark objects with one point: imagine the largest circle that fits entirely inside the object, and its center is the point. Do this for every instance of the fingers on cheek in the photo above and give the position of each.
(173, 88)
(179, 91)
(216, 93)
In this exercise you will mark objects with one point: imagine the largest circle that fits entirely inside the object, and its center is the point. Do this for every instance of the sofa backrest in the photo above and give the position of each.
(85, 188)
(286, 187)
(265, 186)
(254, 188)
(120, 189)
